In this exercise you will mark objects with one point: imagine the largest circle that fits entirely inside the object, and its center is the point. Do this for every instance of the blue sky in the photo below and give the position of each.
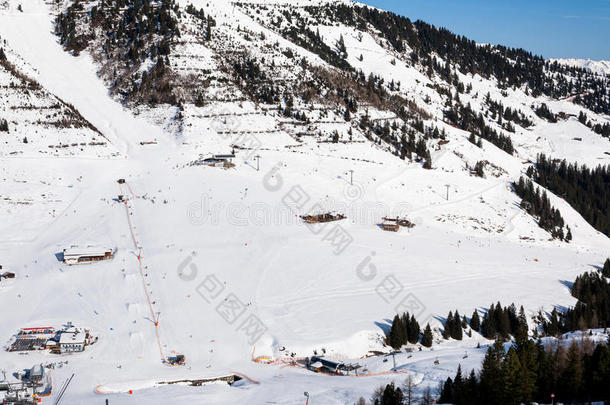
(551, 28)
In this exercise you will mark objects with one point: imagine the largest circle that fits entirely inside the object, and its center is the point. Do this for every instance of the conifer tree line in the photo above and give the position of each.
(512, 67)
(587, 190)
(601, 129)
(405, 329)
(503, 323)
(392, 394)
(133, 31)
(312, 41)
(543, 112)
(505, 115)
(592, 309)
(454, 326)
(538, 205)
(348, 87)
(498, 323)
(465, 118)
(257, 85)
(529, 372)
(207, 22)
(473, 140)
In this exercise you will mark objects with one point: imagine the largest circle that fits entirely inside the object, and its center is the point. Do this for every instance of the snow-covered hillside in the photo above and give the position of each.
(39, 123)
(215, 263)
(601, 67)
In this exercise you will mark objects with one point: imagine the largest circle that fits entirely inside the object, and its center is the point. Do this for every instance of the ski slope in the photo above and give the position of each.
(184, 224)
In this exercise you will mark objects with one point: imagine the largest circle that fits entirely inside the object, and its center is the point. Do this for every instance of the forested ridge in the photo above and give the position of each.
(525, 370)
(587, 190)
(511, 67)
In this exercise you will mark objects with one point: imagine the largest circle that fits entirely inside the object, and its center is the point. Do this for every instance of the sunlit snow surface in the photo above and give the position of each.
(239, 228)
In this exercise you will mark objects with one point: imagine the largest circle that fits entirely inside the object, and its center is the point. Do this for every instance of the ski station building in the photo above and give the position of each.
(88, 254)
(73, 340)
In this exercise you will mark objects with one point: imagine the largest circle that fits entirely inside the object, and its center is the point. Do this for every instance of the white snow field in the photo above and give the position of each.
(220, 259)
(601, 67)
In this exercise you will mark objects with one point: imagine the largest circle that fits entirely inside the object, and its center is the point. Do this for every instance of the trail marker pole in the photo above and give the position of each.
(257, 157)
(351, 177)
(447, 185)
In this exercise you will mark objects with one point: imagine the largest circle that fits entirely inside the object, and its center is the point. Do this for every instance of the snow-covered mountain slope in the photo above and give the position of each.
(601, 67)
(202, 250)
(38, 123)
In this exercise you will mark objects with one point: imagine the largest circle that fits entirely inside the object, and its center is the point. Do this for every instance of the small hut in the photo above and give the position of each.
(390, 227)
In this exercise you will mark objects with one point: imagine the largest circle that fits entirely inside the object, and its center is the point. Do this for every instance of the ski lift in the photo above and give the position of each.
(177, 360)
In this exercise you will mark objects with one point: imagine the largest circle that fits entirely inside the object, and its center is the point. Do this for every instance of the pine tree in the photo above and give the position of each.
(458, 386)
(446, 396)
(392, 395)
(475, 322)
(397, 336)
(552, 327)
(511, 378)
(504, 322)
(456, 328)
(427, 337)
(341, 47)
(572, 378)
(427, 160)
(488, 324)
(528, 372)
(491, 374)
(521, 327)
(347, 116)
(2, 55)
(448, 326)
(606, 268)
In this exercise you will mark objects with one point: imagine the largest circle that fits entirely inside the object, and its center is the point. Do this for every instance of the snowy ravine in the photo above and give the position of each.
(194, 239)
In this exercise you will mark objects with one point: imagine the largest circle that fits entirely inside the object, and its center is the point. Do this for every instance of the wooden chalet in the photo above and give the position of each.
(389, 227)
(87, 254)
(326, 217)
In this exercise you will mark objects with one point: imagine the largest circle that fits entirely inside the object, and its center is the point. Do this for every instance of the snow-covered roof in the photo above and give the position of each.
(86, 251)
(72, 336)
